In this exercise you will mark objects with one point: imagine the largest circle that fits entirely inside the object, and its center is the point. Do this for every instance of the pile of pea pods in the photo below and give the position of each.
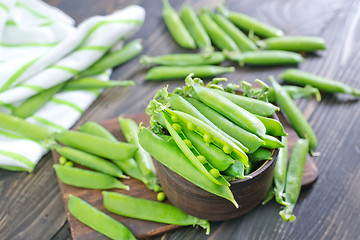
(264, 45)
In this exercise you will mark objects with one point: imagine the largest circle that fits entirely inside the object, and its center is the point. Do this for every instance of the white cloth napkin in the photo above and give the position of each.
(40, 48)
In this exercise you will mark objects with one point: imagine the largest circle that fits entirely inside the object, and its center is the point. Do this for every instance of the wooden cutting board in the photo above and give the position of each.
(144, 229)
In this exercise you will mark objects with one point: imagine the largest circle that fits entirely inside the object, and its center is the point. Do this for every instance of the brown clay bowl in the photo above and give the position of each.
(199, 203)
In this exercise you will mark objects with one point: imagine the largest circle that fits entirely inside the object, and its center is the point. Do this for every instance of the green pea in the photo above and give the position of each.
(69, 164)
(202, 159)
(174, 118)
(62, 160)
(215, 172)
(161, 196)
(176, 127)
(227, 149)
(188, 143)
(191, 126)
(208, 138)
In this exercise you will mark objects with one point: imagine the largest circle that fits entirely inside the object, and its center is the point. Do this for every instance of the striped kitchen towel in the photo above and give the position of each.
(50, 51)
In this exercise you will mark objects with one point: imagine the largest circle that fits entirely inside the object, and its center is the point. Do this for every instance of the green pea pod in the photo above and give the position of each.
(184, 59)
(190, 155)
(293, 43)
(294, 176)
(250, 104)
(216, 34)
(227, 108)
(196, 30)
(260, 154)
(87, 179)
(280, 173)
(176, 27)
(213, 154)
(269, 196)
(294, 115)
(96, 129)
(129, 166)
(90, 161)
(180, 104)
(24, 128)
(143, 159)
(253, 166)
(265, 58)
(173, 158)
(271, 142)
(236, 170)
(323, 84)
(296, 92)
(94, 83)
(116, 58)
(249, 140)
(98, 220)
(127, 206)
(180, 72)
(34, 103)
(249, 24)
(116, 151)
(273, 127)
(242, 41)
(218, 138)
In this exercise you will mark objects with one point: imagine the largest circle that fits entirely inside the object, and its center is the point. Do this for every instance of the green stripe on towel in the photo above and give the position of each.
(19, 158)
(66, 69)
(67, 103)
(32, 87)
(48, 123)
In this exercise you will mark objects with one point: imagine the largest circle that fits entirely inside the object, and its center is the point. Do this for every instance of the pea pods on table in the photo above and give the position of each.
(217, 35)
(302, 78)
(98, 220)
(115, 58)
(150, 210)
(185, 59)
(116, 151)
(196, 30)
(248, 23)
(242, 41)
(143, 159)
(96, 129)
(129, 166)
(87, 179)
(173, 158)
(294, 176)
(265, 58)
(252, 105)
(294, 115)
(90, 161)
(297, 92)
(24, 128)
(180, 72)
(34, 103)
(293, 43)
(249, 140)
(176, 27)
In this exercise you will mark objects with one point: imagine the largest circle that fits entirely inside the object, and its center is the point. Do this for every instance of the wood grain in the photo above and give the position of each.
(328, 210)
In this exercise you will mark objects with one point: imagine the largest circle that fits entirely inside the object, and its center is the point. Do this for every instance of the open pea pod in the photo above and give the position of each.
(203, 168)
(212, 135)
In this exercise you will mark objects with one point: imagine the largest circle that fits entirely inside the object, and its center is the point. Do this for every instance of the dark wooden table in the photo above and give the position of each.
(31, 205)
